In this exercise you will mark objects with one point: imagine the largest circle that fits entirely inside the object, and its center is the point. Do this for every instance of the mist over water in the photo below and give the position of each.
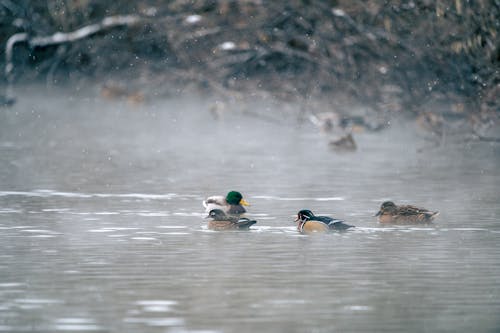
(102, 229)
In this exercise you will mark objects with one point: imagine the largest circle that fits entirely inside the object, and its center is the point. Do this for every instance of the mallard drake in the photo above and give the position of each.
(222, 221)
(232, 204)
(308, 223)
(391, 213)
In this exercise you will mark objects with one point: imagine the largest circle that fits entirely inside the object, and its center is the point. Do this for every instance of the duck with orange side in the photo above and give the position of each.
(308, 223)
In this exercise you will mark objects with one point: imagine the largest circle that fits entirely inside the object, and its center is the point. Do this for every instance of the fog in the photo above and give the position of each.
(103, 230)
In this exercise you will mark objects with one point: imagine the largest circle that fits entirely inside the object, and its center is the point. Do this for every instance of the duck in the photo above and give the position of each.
(231, 204)
(405, 214)
(7, 101)
(308, 223)
(222, 221)
(431, 123)
(115, 91)
(344, 143)
(327, 122)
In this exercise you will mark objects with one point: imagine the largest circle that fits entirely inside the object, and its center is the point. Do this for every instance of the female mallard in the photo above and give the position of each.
(232, 204)
(308, 223)
(222, 221)
(391, 213)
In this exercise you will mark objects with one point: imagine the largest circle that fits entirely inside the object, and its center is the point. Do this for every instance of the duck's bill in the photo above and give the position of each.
(244, 203)
(378, 213)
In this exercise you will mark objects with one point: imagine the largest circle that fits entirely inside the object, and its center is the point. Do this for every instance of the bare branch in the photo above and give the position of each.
(63, 37)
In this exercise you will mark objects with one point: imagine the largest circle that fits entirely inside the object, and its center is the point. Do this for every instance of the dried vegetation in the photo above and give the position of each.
(437, 61)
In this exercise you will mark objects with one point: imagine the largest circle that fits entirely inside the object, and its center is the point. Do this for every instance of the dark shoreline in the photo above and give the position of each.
(418, 59)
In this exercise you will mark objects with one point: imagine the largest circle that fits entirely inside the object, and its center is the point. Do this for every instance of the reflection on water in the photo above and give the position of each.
(102, 229)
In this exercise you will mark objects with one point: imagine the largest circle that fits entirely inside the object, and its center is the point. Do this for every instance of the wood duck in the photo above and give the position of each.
(308, 223)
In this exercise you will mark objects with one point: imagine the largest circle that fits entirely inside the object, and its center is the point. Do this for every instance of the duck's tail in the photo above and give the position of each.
(210, 205)
(431, 215)
(244, 223)
(339, 225)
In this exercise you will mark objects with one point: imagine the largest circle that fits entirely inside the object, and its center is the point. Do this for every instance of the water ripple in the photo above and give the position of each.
(76, 324)
(142, 196)
(270, 197)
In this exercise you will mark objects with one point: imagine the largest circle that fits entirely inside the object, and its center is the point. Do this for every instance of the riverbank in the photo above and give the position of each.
(437, 65)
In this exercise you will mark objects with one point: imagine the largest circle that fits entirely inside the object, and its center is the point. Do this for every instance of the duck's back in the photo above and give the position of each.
(244, 223)
(240, 224)
(333, 224)
(216, 202)
(415, 214)
(408, 214)
(408, 210)
(339, 225)
(410, 219)
(324, 219)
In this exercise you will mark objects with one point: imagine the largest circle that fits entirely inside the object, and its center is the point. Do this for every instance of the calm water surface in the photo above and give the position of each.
(101, 226)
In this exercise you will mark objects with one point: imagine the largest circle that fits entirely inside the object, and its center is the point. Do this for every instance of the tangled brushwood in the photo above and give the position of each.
(396, 57)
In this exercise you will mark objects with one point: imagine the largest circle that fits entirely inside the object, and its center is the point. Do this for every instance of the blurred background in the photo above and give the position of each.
(434, 59)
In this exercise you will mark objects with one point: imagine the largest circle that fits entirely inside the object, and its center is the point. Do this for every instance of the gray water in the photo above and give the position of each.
(101, 226)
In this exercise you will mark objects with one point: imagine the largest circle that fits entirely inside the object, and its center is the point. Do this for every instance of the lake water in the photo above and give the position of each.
(102, 229)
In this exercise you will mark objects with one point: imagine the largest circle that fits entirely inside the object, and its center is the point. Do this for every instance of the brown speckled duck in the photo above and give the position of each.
(221, 221)
(391, 213)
